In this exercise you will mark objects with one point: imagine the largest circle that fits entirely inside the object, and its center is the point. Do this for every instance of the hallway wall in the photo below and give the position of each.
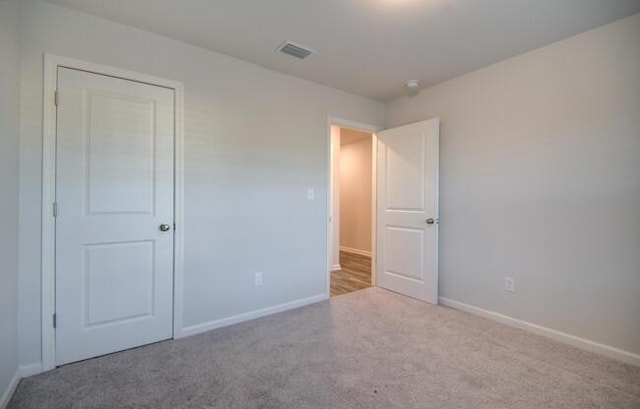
(355, 190)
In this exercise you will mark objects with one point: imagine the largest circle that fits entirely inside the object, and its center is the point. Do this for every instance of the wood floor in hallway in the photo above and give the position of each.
(354, 275)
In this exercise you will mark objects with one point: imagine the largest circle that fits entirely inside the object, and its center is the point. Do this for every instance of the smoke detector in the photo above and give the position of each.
(295, 50)
(412, 87)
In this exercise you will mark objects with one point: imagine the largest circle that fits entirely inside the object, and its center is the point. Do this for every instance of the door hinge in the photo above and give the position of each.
(55, 98)
(55, 209)
(55, 321)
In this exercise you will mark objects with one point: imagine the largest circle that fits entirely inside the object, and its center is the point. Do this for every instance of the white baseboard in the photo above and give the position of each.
(36, 368)
(355, 251)
(30, 369)
(336, 267)
(11, 388)
(611, 352)
(224, 322)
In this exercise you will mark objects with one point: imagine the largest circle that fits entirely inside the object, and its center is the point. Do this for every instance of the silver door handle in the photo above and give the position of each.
(431, 220)
(165, 227)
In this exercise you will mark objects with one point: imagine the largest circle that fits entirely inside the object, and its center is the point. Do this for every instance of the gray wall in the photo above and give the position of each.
(540, 181)
(9, 142)
(255, 141)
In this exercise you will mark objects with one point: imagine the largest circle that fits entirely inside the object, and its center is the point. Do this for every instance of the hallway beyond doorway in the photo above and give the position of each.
(354, 274)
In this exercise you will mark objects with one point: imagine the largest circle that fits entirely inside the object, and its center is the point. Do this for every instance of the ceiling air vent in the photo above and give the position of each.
(295, 50)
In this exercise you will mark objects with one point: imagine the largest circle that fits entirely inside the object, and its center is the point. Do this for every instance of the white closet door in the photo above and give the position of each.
(114, 224)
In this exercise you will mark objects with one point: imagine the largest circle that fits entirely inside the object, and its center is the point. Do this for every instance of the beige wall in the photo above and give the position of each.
(540, 181)
(9, 170)
(355, 190)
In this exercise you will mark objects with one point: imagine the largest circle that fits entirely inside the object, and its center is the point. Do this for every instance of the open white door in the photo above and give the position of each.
(114, 224)
(407, 228)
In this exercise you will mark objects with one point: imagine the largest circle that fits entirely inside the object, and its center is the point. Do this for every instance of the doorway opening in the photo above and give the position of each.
(353, 159)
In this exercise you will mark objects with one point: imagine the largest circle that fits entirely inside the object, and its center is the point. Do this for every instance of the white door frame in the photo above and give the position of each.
(51, 64)
(358, 126)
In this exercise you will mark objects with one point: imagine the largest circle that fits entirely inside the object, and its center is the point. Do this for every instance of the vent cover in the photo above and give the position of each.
(295, 50)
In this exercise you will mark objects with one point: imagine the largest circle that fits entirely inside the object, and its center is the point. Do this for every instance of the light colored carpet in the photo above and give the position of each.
(368, 349)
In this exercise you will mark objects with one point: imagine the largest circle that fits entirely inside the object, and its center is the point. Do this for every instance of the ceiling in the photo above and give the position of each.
(366, 47)
(351, 135)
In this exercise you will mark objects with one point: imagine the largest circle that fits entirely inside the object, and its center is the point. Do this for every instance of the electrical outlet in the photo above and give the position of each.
(510, 284)
(311, 194)
(258, 279)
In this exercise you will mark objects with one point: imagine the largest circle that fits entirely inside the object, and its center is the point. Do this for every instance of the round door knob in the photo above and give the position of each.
(165, 227)
(431, 221)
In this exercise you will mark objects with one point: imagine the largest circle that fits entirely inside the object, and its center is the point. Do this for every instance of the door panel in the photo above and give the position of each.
(120, 154)
(405, 172)
(407, 196)
(118, 271)
(114, 187)
(404, 252)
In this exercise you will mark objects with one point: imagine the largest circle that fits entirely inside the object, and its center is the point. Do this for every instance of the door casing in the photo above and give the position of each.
(51, 64)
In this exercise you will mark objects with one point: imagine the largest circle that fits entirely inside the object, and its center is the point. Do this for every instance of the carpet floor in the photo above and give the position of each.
(368, 349)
